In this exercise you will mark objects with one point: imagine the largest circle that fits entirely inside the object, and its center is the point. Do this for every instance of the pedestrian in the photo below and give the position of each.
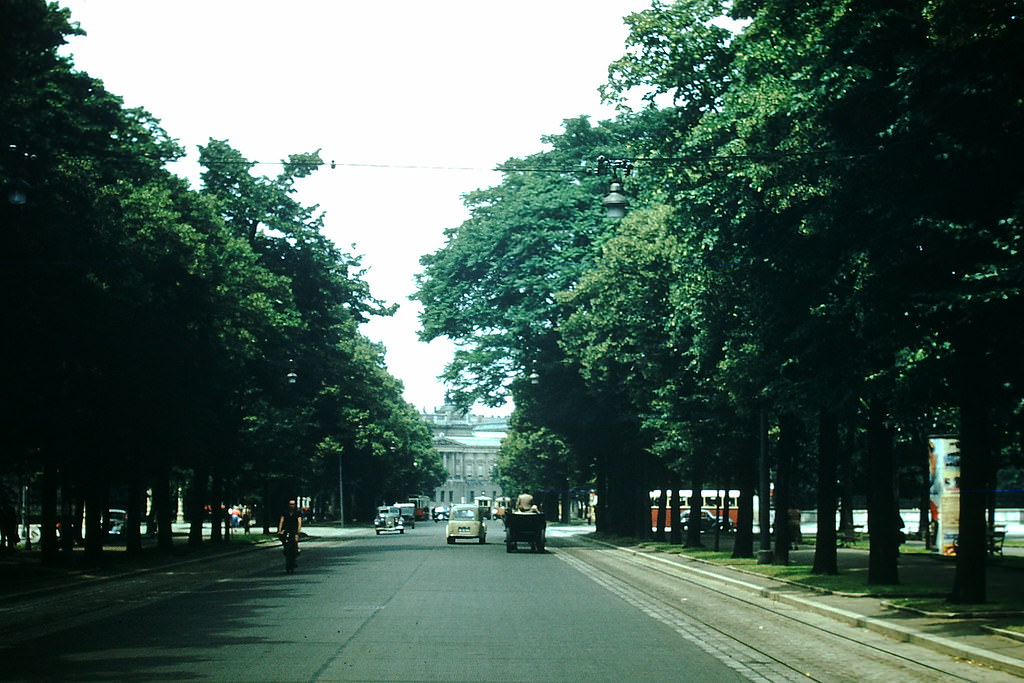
(795, 535)
(246, 519)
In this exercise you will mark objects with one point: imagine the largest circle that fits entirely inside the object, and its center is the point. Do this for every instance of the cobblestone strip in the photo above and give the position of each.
(744, 660)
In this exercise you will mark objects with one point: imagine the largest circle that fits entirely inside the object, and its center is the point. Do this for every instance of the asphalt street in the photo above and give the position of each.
(412, 608)
(365, 608)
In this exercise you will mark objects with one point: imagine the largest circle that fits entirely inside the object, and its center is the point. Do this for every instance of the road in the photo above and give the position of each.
(412, 608)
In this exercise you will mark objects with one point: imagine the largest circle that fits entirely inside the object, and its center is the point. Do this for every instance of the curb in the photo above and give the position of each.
(939, 644)
(53, 588)
(1005, 633)
(60, 587)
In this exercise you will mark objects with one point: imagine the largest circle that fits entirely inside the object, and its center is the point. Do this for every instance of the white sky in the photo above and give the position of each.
(449, 83)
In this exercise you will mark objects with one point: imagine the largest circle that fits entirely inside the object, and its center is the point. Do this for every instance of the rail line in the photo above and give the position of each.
(749, 660)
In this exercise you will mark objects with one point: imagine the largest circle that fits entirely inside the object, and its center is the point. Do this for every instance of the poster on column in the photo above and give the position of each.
(944, 470)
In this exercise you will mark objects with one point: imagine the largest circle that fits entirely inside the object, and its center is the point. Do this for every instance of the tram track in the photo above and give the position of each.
(759, 638)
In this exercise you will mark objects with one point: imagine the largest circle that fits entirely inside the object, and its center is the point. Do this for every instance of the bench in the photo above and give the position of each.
(848, 537)
(993, 542)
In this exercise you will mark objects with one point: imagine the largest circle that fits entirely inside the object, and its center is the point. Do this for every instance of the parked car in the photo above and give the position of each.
(707, 520)
(388, 519)
(466, 521)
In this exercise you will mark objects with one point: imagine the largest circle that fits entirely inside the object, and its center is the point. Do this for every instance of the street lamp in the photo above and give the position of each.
(17, 191)
(615, 203)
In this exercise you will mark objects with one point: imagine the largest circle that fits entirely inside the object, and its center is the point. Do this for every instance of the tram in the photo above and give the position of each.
(718, 503)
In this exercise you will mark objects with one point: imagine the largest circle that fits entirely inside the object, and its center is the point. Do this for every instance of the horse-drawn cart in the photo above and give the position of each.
(525, 527)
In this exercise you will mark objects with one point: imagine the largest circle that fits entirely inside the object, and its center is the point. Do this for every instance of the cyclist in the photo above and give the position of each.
(290, 524)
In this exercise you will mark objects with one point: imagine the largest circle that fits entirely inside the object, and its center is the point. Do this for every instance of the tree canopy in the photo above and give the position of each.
(159, 325)
(826, 211)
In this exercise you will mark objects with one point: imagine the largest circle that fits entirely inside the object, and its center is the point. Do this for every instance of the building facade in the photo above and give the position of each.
(468, 447)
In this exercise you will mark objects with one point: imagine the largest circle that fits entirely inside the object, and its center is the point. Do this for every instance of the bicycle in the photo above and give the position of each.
(290, 544)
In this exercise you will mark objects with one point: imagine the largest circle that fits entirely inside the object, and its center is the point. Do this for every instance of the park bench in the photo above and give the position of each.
(849, 536)
(993, 540)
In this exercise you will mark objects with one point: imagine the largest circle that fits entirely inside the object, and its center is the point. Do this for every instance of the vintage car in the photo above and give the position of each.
(466, 521)
(408, 511)
(389, 518)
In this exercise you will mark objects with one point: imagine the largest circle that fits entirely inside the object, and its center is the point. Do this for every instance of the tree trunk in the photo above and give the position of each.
(70, 523)
(94, 513)
(825, 559)
(883, 510)
(163, 508)
(783, 499)
(743, 544)
(216, 507)
(566, 512)
(265, 508)
(693, 539)
(135, 506)
(50, 551)
(197, 504)
(764, 498)
(846, 527)
(969, 583)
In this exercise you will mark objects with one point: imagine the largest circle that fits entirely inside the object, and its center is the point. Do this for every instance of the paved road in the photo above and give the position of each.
(410, 607)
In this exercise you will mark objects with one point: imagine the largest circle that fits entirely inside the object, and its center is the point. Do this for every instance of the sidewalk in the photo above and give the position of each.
(22, 574)
(956, 636)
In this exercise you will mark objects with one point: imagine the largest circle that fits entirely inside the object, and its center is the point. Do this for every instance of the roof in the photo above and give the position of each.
(490, 442)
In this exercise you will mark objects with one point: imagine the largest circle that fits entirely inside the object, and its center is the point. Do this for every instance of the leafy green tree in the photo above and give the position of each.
(845, 149)
(492, 289)
(158, 323)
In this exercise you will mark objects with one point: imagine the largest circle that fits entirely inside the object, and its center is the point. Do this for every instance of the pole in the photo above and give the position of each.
(24, 517)
(341, 490)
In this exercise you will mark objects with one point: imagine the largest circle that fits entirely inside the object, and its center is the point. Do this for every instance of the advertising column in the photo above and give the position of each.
(944, 468)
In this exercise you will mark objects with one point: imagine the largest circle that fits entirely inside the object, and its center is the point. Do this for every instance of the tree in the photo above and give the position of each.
(492, 289)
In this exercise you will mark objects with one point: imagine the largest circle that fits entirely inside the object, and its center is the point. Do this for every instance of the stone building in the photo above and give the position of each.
(468, 447)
